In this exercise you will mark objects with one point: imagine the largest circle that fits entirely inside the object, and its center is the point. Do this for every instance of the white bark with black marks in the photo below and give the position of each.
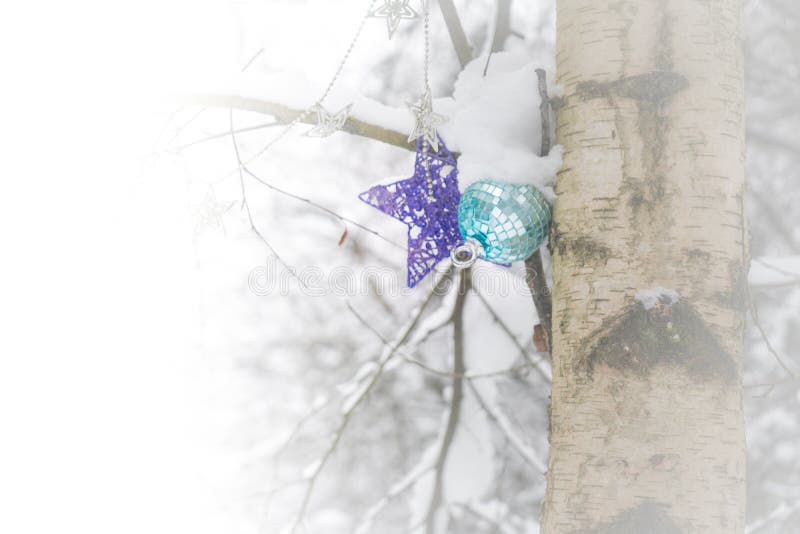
(647, 431)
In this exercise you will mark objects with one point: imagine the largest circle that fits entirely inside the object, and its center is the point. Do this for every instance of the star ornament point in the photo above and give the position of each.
(432, 219)
(427, 122)
(329, 123)
(394, 11)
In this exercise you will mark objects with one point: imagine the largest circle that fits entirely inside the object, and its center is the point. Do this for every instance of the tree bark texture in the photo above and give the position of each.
(647, 431)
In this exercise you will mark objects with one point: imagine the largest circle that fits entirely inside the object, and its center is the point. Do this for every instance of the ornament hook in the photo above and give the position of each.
(466, 254)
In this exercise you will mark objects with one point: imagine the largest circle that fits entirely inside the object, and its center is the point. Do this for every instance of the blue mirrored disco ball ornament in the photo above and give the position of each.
(510, 221)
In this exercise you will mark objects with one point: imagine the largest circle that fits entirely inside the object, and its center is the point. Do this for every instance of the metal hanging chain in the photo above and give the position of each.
(328, 89)
(427, 32)
(427, 121)
(426, 95)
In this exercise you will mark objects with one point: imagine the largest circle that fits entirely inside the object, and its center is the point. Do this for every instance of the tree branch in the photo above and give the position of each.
(246, 206)
(534, 269)
(523, 352)
(757, 322)
(285, 115)
(319, 207)
(457, 395)
(397, 490)
(456, 30)
(504, 425)
(184, 146)
(502, 29)
(353, 403)
(497, 526)
(544, 112)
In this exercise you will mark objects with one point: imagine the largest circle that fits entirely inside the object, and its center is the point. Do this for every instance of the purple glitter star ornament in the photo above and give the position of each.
(429, 206)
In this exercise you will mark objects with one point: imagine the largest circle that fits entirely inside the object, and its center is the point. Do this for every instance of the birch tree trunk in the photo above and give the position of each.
(647, 432)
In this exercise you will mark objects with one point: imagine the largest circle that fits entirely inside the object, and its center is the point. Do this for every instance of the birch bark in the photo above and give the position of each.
(647, 432)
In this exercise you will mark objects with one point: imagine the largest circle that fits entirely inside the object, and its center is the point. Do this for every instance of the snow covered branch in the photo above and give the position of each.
(534, 270)
(284, 115)
(363, 384)
(502, 422)
(523, 352)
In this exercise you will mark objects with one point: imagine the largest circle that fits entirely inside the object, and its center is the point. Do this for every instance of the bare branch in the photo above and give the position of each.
(319, 207)
(534, 270)
(504, 425)
(544, 112)
(424, 366)
(769, 213)
(457, 394)
(285, 115)
(252, 59)
(782, 512)
(757, 322)
(352, 405)
(397, 490)
(242, 167)
(523, 352)
(456, 30)
(246, 205)
(499, 526)
(224, 134)
(502, 29)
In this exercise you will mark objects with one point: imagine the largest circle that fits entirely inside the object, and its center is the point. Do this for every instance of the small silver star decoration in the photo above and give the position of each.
(426, 121)
(209, 213)
(394, 11)
(329, 123)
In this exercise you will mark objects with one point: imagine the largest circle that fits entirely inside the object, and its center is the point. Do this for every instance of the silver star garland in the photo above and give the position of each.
(394, 11)
(329, 123)
(426, 121)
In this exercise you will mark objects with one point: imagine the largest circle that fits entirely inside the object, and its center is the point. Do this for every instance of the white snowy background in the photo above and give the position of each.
(171, 393)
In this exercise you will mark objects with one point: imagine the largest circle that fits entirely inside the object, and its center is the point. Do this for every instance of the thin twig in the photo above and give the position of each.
(497, 525)
(319, 207)
(775, 219)
(241, 166)
(185, 125)
(385, 358)
(246, 206)
(252, 59)
(456, 396)
(296, 430)
(224, 134)
(523, 352)
(285, 115)
(504, 425)
(432, 370)
(456, 30)
(757, 322)
(396, 491)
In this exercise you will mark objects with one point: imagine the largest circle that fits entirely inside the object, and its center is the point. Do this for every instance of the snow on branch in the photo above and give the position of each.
(365, 381)
(284, 115)
(496, 414)
(534, 269)
(399, 488)
(507, 330)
